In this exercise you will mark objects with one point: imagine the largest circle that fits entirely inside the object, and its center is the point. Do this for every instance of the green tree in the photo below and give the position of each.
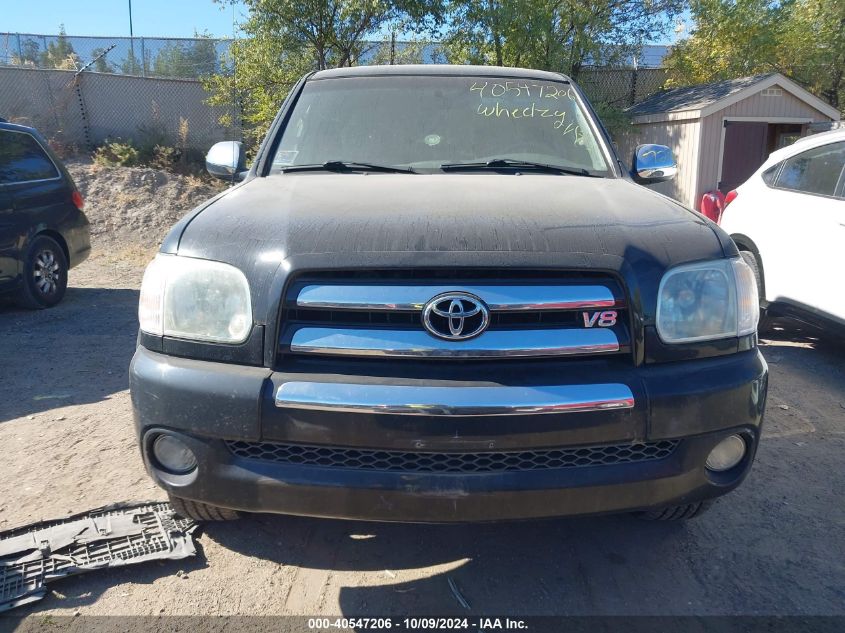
(812, 48)
(131, 65)
(101, 64)
(283, 39)
(29, 54)
(803, 39)
(392, 51)
(560, 35)
(731, 38)
(60, 54)
(197, 58)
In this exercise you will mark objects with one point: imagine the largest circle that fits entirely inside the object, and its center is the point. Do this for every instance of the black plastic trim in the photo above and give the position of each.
(659, 352)
(250, 352)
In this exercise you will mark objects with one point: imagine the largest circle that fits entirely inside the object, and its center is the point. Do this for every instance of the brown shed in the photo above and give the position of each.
(720, 133)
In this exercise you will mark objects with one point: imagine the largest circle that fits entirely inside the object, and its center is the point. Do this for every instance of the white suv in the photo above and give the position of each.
(788, 221)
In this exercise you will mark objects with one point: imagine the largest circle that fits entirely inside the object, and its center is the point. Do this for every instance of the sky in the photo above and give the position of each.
(150, 18)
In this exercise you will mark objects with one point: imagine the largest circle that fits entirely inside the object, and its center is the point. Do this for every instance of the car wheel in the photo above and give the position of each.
(676, 513)
(45, 274)
(199, 511)
(751, 259)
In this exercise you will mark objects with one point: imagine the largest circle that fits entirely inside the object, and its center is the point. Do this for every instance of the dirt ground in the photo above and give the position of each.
(775, 546)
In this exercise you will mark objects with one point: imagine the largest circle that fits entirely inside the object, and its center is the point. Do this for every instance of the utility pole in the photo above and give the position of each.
(131, 41)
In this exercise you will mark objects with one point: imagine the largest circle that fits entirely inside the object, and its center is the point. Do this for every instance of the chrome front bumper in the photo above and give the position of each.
(217, 407)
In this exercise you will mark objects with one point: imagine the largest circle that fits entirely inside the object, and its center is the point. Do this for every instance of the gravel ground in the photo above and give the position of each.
(775, 546)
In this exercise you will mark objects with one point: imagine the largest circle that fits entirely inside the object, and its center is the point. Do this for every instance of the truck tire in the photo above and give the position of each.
(676, 513)
(45, 274)
(751, 259)
(199, 511)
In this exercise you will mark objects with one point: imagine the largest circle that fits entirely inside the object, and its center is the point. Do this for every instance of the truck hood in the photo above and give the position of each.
(336, 214)
(342, 221)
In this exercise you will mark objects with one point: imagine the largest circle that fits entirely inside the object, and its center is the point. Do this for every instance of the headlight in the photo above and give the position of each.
(707, 300)
(195, 299)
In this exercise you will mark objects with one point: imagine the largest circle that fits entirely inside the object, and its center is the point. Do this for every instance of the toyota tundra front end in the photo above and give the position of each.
(438, 296)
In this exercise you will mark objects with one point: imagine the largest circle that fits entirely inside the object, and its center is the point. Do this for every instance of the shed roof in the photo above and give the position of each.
(699, 101)
(693, 97)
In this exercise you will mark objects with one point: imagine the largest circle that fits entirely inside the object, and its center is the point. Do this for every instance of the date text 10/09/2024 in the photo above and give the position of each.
(417, 624)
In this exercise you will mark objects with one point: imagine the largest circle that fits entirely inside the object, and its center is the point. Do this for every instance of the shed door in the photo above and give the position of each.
(744, 152)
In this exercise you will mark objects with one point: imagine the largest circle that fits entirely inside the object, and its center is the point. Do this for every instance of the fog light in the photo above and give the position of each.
(727, 454)
(173, 455)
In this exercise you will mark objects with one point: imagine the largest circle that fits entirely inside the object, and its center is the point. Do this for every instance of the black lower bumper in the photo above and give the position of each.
(697, 403)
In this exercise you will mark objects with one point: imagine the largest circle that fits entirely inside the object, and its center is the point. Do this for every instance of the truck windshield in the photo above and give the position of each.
(425, 122)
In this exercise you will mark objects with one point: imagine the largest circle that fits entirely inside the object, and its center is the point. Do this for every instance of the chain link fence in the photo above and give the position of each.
(83, 91)
(186, 58)
(620, 87)
(83, 110)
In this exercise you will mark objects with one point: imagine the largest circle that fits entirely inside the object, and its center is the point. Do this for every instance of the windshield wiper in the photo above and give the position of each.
(509, 163)
(346, 165)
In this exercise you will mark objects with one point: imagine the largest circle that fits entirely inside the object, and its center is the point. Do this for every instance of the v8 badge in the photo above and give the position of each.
(600, 319)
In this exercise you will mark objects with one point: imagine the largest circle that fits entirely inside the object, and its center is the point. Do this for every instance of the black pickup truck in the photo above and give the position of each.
(438, 295)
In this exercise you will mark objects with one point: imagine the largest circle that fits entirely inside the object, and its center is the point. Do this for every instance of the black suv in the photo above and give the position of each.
(43, 231)
(437, 295)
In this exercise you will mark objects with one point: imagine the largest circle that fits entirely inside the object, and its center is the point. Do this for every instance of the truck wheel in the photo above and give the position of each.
(199, 511)
(676, 513)
(751, 259)
(45, 274)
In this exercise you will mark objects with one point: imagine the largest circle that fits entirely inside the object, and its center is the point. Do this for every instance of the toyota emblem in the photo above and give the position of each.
(455, 316)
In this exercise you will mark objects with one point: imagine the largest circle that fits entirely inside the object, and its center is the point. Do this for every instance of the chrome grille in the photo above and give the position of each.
(379, 314)
(402, 461)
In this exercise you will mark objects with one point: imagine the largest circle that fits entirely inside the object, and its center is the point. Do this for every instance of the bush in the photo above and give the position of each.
(117, 154)
(149, 138)
(164, 157)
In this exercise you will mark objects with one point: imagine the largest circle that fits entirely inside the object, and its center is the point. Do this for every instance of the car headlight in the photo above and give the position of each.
(707, 300)
(195, 299)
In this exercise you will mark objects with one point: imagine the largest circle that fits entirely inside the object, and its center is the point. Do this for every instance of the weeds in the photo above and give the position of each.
(150, 149)
(179, 160)
(117, 154)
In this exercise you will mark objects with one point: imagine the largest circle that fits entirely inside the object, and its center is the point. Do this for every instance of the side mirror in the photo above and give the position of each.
(653, 163)
(226, 160)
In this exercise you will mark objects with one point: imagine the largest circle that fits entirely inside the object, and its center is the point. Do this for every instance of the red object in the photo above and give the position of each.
(732, 194)
(712, 205)
(78, 202)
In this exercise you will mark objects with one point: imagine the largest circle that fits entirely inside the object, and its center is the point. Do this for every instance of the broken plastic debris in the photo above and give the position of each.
(32, 556)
